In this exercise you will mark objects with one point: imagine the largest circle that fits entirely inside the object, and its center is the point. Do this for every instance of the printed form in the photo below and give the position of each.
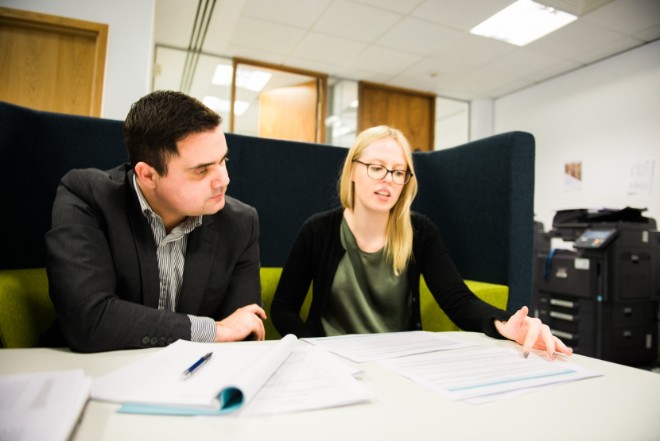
(455, 367)
(481, 374)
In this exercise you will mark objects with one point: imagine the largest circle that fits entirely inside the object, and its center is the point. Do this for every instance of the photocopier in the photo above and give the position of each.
(597, 283)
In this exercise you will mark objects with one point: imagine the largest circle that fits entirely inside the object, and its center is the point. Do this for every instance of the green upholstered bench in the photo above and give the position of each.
(26, 310)
(433, 317)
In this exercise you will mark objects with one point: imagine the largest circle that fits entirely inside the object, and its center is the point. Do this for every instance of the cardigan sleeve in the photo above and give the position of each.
(463, 307)
(293, 286)
(313, 259)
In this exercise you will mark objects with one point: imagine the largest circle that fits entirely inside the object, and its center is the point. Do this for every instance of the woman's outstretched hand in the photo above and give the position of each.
(530, 332)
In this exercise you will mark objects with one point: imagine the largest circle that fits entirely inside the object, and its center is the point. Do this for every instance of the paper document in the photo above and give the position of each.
(42, 406)
(481, 374)
(230, 381)
(311, 378)
(362, 348)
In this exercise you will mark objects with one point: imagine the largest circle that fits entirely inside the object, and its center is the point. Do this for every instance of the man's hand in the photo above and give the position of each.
(243, 323)
(531, 333)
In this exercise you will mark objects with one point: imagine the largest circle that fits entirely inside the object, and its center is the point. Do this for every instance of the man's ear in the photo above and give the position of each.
(146, 174)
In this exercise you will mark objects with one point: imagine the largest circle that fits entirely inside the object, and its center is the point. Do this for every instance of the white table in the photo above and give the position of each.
(623, 404)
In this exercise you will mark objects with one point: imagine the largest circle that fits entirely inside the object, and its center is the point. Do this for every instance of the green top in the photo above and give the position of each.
(366, 295)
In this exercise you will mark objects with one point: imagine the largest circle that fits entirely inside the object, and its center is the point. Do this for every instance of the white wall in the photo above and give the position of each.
(130, 44)
(452, 122)
(481, 119)
(605, 115)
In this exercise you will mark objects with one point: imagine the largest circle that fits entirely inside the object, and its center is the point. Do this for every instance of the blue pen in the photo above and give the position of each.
(196, 365)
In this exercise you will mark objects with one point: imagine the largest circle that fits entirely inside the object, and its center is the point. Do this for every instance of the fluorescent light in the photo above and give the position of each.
(333, 121)
(240, 107)
(222, 106)
(523, 22)
(222, 75)
(254, 80)
(214, 103)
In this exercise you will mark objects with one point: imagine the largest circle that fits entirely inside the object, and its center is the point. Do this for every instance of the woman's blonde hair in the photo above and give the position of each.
(398, 248)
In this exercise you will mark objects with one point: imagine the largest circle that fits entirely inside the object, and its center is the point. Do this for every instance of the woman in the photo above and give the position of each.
(366, 257)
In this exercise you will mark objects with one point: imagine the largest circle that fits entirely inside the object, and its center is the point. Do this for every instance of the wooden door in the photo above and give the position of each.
(409, 111)
(52, 63)
(289, 113)
(291, 106)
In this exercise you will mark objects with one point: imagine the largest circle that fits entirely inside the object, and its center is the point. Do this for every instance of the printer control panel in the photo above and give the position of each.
(595, 238)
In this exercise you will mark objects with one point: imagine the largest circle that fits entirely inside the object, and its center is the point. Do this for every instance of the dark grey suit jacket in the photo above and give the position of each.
(103, 272)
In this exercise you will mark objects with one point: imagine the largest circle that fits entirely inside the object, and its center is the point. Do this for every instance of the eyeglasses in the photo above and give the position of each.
(378, 172)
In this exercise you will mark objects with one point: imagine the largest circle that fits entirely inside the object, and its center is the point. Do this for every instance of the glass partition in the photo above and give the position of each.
(257, 99)
(452, 122)
(452, 117)
(258, 85)
(341, 123)
(276, 102)
(170, 73)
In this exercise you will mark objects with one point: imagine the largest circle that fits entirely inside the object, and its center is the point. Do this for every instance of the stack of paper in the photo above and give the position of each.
(243, 378)
(42, 406)
(453, 367)
(362, 348)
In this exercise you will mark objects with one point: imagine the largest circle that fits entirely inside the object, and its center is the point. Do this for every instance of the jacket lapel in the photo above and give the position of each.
(200, 253)
(145, 247)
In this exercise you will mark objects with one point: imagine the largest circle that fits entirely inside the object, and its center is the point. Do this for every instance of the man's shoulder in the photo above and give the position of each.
(234, 211)
(238, 206)
(94, 177)
(96, 185)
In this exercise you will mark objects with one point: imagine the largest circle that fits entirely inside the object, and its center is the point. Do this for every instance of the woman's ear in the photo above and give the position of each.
(353, 168)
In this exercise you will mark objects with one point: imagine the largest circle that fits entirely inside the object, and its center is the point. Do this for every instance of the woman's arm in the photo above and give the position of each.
(463, 307)
(293, 286)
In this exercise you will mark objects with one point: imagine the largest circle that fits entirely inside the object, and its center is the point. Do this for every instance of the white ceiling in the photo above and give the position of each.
(423, 45)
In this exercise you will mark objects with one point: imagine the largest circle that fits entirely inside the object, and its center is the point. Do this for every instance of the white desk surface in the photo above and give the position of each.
(622, 405)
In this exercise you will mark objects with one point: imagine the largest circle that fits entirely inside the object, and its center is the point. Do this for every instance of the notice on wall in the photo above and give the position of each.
(573, 176)
(640, 176)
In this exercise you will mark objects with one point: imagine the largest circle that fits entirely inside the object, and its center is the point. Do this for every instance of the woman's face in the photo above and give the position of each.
(378, 195)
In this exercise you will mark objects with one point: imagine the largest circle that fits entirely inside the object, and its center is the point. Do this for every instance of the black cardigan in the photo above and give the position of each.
(315, 256)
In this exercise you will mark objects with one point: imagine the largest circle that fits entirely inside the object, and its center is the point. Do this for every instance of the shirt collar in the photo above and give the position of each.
(189, 224)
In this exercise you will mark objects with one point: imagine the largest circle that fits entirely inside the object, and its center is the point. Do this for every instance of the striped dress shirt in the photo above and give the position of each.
(171, 255)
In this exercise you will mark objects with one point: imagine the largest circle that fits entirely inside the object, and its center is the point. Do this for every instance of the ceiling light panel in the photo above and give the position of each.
(523, 22)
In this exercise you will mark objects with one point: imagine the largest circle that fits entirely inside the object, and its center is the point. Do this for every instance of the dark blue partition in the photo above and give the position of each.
(287, 182)
(480, 194)
(36, 150)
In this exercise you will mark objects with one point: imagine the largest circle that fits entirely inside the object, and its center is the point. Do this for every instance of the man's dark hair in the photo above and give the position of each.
(157, 121)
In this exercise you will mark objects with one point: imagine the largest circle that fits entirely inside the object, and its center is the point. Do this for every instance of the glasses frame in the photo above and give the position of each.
(388, 171)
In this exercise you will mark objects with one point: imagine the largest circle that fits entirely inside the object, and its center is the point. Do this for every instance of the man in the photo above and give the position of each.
(154, 251)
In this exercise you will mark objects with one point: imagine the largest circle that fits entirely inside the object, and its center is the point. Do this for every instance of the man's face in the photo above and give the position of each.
(196, 179)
